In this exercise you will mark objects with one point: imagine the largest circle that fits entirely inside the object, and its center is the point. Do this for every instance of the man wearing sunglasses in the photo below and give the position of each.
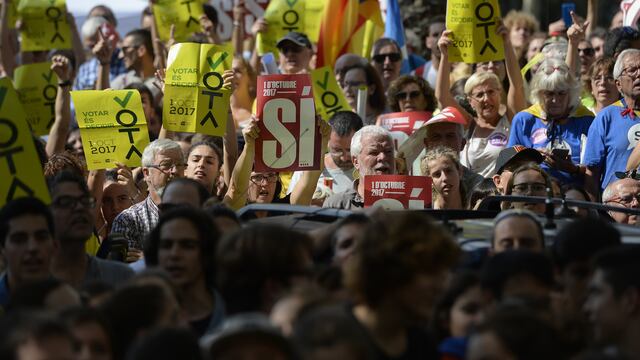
(387, 60)
(295, 53)
(623, 193)
(587, 55)
(137, 54)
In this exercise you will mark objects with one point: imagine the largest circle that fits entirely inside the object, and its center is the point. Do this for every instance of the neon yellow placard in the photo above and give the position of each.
(37, 87)
(194, 99)
(112, 126)
(289, 15)
(328, 95)
(44, 25)
(12, 16)
(474, 23)
(184, 14)
(20, 168)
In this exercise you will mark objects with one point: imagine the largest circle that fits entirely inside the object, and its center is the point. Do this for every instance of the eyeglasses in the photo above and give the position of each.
(261, 179)
(393, 57)
(587, 51)
(631, 72)
(411, 95)
(480, 95)
(548, 95)
(529, 187)
(602, 78)
(71, 202)
(168, 166)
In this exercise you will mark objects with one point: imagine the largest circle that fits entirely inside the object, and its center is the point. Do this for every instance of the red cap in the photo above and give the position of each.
(448, 114)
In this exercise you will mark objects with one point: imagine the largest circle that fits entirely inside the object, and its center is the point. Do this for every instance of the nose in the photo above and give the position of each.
(387, 60)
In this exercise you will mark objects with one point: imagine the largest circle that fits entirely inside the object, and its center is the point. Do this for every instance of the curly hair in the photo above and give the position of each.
(527, 21)
(601, 65)
(61, 161)
(398, 84)
(392, 253)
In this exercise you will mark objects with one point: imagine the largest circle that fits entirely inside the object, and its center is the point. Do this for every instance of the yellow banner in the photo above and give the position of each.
(328, 95)
(184, 14)
(112, 126)
(12, 17)
(44, 25)
(194, 99)
(474, 23)
(20, 168)
(37, 87)
(285, 16)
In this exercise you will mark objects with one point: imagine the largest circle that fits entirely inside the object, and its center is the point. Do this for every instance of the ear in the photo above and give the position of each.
(618, 86)
(496, 180)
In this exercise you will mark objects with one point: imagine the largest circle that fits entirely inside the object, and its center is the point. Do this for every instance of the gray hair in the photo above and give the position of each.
(611, 190)
(149, 154)
(618, 67)
(553, 75)
(91, 25)
(356, 140)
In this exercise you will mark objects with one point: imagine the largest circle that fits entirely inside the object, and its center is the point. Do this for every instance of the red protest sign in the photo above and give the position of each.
(402, 124)
(289, 138)
(396, 192)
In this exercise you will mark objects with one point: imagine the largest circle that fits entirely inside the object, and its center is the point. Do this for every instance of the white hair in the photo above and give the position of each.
(149, 154)
(356, 140)
(91, 25)
(618, 67)
(554, 75)
(612, 190)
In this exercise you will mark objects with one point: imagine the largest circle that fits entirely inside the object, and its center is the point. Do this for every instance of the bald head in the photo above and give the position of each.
(623, 193)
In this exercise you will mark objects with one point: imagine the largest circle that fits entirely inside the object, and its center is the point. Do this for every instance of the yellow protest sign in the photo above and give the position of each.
(289, 15)
(44, 25)
(12, 16)
(184, 14)
(112, 126)
(37, 87)
(328, 95)
(20, 168)
(194, 99)
(474, 23)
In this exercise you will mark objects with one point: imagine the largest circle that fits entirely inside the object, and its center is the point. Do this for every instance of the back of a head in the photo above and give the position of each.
(20, 207)
(251, 256)
(620, 266)
(21, 327)
(619, 39)
(502, 267)
(344, 123)
(581, 239)
(166, 344)
(203, 193)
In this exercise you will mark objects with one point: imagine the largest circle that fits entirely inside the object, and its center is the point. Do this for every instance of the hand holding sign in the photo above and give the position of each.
(251, 132)
(578, 30)
(260, 26)
(444, 42)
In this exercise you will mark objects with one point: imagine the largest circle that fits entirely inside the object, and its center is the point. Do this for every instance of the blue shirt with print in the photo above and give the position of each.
(611, 139)
(527, 129)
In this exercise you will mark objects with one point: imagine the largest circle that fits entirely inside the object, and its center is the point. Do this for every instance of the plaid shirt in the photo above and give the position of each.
(88, 72)
(136, 222)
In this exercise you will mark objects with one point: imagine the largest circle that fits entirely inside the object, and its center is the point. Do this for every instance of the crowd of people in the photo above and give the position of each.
(153, 262)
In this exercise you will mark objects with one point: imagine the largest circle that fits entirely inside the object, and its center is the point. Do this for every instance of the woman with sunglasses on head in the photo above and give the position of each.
(248, 186)
(557, 124)
(410, 93)
(488, 131)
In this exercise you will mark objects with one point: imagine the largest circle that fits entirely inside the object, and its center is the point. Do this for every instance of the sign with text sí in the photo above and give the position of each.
(289, 137)
(402, 124)
(397, 192)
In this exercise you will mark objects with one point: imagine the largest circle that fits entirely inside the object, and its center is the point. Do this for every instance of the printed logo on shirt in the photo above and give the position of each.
(497, 139)
(539, 136)
(633, 135)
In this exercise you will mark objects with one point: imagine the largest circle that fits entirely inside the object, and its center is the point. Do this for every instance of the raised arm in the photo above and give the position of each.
(237, 36)
(230, 139)
(516, 100)
(259, 26)
(576, 34)
(443, 87)
(159, 52)
(592, 15)
(303, 191)
(236, 196)
(60, 128)
(103, 50)
(6, 56)
(76, 42)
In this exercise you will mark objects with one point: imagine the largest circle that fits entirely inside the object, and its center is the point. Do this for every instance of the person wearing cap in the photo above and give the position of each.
(295, 53)
(557, 123)
(509, 160)
(489, 129)
(623, 193)
(517, 229)
(616, 129)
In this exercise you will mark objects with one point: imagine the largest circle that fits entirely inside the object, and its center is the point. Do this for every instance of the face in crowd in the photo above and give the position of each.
(387, 62)
(168, 164)
(262, 187)
(294, 58)
(203, 165)
(376, 156)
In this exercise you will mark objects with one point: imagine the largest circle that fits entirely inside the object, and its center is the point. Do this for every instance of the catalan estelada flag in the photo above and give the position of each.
(348, 26)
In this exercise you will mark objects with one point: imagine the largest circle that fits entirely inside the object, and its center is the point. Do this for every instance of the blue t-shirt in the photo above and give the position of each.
(611, 139)
(527, 129)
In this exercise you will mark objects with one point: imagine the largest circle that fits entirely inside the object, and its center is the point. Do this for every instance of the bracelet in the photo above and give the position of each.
(64, 83)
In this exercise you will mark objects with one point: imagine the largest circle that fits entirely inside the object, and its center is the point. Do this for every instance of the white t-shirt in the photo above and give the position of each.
(342, 181)
(480, 153)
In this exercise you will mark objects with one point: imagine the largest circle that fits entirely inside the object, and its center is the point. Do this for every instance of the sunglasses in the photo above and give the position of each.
(393, 57)
(407, 95)
(587, 51)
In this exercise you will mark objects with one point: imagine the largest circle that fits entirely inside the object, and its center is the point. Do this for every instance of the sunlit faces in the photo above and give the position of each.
(485, 99)
(130, 53)
(167, 165)
(240, 75)
(435, 31)
(353, 79)
(28, 248)
(444, 134)
(496, 67)
(115, 199)
(529, 183)
(519, 35)
(629, 81)
(340, 150)
(535, 46)
(517, 233)
(293, 57)
(626, 194)
(587, 56)
(387, 63)
(179, 252)
(203, 165)
(376, 156)
(445, 175)
(598, 46)
(603, 88)
(555, 103)
(411, 98)
(262, 187)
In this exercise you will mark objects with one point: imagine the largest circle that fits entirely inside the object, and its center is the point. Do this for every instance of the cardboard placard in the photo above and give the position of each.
(44, 25)
(37, 87)
(254, 10)
(289, 138)
(329, 96)
(474, 38)
(184, 14)
(397, 192)
(402, 124)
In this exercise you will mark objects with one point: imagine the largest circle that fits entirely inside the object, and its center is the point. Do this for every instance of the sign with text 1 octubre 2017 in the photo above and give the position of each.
(397, 192)
(474, 23)
(289, 138)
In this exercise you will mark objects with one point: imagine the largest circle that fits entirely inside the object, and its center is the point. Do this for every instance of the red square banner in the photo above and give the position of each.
(396, 192)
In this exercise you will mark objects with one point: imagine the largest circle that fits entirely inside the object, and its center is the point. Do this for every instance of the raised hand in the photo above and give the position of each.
(103, 50)
(228, 80)
(578, 30)
(259, 26)
(60, 65)
(251, 132)
(444, 41)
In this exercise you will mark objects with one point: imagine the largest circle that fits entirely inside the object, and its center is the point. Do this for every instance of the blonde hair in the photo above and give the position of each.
(479, 79)
(514, 18)
(554, 75)
(437, 153)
